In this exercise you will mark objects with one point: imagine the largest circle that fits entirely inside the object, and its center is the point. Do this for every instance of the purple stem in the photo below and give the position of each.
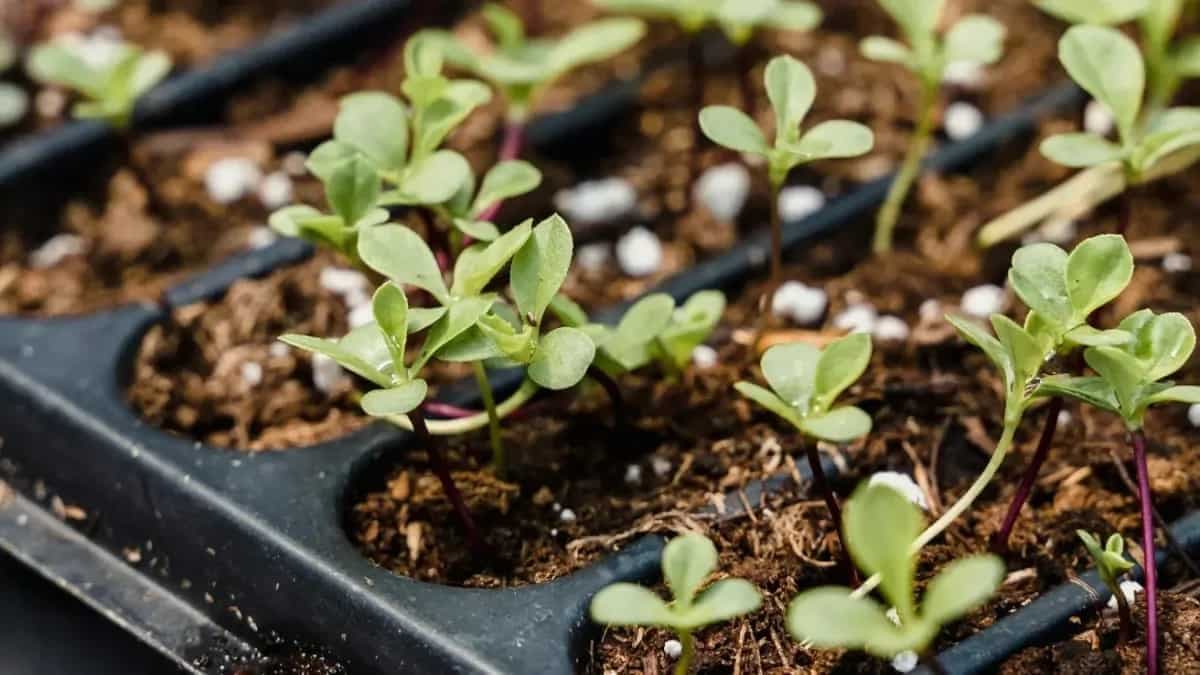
(510, 148)
(831, 503)
(447, 411)
(438, 462)
(1000, 538)
(1149, 566)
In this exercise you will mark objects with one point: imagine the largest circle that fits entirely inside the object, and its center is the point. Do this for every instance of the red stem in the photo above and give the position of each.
(615, 399)
(1000, 538)
(438, 462)
(447, 411)
(831, 502)
(1150, 565)
(510, 148)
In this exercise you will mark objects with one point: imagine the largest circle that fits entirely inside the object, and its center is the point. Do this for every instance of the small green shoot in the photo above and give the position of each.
(653, 330)
(1061, 290)
(109, 89)
(792, 90)
(804, 384)
(738, 19)
(1112, 565)
(974, 39)
(522, 67)
(882, 528)
(687, 561)
(1109, 66)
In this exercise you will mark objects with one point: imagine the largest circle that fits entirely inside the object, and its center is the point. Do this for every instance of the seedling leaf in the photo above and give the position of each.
(733, 129)
(540, 267)
(1109, 66)
(375, 124)
(687, 561)
(961, 587)
(829, 617)
(1081, 150)
(791, 89)
(562, 358)
(839, 425)
(974, 39)
(768, 400)
(1098, 269)
(885, 550)
(399, 400)
(401, 255)
(839, 366)
(623, 604)
(791, 370)
(478, 265)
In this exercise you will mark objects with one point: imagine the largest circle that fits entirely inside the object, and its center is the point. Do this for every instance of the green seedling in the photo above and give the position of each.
(653, 330)
(804, 385)
(521, 68)
(792, 90)
(1109, 66)
(109, 89)
(471, 324)
(1131, 378)
(1112, 565)
(974, 39)
(1168, 64)
(882, 529)
(386, 153)
(1061, 291)
(738, 19)
(687, 561)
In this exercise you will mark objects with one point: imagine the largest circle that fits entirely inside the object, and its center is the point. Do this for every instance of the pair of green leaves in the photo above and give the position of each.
(738, 19)
(111, 89)
(880, 527)
(974, 39)
(1130, 376)
(687, 562)
(655, 330)
(522, 67)
(792, 90)
(805, 382)
(1064, 289)
(1061, 291)
(1110, 559)
(1110, 67)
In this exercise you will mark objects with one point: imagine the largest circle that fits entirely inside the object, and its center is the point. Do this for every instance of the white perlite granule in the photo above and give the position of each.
(723, 190)
(639, 252)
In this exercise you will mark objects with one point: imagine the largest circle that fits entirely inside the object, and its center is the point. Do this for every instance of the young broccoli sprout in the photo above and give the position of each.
(110, 86)
(792, 90)
(1130, 378)
(1061, 291)
(687, 562)
(1054, 285)
(805, 382)
(1168, 63)
(1112, 565)
(384, 153)
(882, 529)
(521, 67)
(1109, 66)
(653, 330)
(974, 39)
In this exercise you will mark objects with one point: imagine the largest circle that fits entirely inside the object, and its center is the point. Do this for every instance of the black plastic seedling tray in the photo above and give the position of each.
(210, 555)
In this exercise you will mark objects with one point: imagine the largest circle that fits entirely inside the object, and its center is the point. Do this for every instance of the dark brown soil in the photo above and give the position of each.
(1095, 653)
(142, 227)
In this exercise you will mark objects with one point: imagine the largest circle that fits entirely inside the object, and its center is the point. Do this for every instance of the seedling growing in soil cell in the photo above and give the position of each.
(1130, 380)
(1112, 565)
(882, 528)
(687, 561)
(1109, 66)
(655, 331)
(805, 382)
(738, 19)
(1167, 64)
(521, 68)
(384, 153)
(791, 88)
(1061, 291)
(974, 39)
(110, 86)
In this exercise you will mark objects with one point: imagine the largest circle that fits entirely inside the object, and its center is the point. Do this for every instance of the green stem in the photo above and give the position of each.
(889, 213)
(499, 457)
(689, 650)
(964, 502)
(776, 237)
(463, 425)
